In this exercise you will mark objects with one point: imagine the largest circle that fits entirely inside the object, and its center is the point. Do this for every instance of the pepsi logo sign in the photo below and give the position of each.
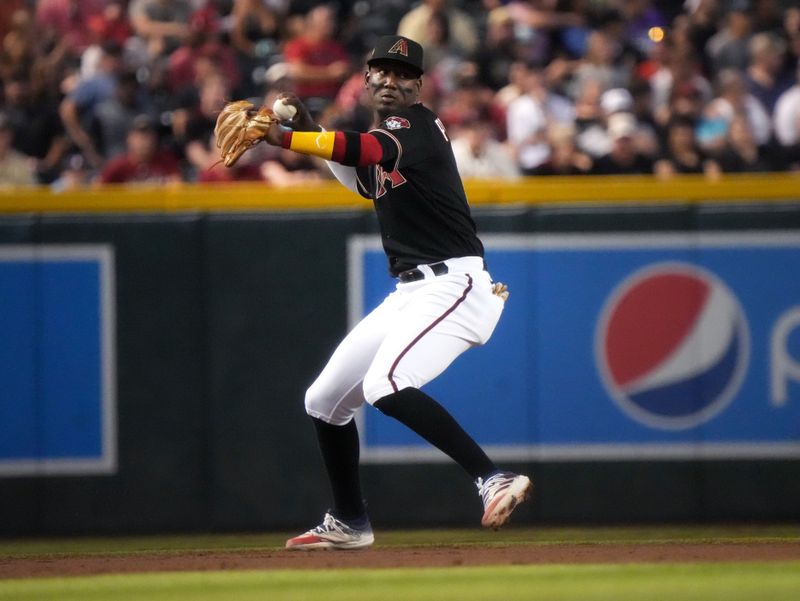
(672, 345)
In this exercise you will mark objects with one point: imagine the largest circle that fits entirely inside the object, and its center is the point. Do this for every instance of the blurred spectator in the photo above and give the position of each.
(765, 77)
(415, 25)
(254, 35)
(77, 110)
(38, 131)
(15, 168)
(160, 25)
(565, 158)
(681, 73)
(318, 63)
(741, 153)
(7, 10)
(702, 22)
(624, 157)
(469, 100)
(112, 117)
(499, 51)
(787, 121)
(144, 162)
(479, 154)
(599, 64)
(528, 118)
(67, 20)
(74, 175)
(200, 53)
(591, 136)
(287, 168)
(733, 99)
(537, 24)
(517, 72)
(681, 153)
(112, 24)
(442, 58)
(727, 49)
(19, 51)
(767, 15)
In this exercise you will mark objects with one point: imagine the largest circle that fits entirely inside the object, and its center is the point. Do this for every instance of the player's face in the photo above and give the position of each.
(392, 86)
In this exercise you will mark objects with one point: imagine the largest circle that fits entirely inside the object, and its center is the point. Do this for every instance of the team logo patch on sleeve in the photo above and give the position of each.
(396, 123)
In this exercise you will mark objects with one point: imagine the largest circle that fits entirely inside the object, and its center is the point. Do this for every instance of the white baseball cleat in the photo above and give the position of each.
(501, 493)
(333, 533)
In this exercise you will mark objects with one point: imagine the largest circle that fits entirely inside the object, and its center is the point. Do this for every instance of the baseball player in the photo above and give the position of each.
(444, 303)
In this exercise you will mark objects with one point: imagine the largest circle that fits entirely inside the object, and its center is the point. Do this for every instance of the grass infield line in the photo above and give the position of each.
(749, 581)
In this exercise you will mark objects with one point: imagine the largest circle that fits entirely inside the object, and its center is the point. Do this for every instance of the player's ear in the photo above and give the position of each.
(366, 78)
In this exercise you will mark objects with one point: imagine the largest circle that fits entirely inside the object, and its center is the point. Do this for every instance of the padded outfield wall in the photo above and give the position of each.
(157, 343)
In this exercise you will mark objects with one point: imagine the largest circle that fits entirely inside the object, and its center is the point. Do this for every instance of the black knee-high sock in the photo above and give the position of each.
(340, 452)
(429, 419)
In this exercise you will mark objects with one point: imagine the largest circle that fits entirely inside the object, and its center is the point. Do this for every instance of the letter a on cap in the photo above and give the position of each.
(400, 47)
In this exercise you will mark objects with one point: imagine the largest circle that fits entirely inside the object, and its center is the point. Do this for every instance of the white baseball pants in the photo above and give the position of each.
(408, 340)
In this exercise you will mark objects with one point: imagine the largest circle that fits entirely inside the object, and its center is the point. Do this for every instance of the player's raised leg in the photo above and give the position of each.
(428, 336)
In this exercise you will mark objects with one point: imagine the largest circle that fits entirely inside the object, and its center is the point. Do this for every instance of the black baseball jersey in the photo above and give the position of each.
(419, 198)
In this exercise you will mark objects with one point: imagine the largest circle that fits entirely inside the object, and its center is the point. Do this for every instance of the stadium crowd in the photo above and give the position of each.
(107, 91)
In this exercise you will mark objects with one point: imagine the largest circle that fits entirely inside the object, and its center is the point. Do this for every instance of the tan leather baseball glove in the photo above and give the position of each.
(240, 127)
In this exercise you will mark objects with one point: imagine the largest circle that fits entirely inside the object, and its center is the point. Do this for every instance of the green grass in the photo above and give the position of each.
(779, 581)
(472, 536)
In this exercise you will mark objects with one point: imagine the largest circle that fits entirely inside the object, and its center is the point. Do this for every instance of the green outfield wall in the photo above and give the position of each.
(227, 302)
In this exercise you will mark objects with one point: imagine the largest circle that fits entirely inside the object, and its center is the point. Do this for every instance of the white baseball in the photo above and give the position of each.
(284, 112)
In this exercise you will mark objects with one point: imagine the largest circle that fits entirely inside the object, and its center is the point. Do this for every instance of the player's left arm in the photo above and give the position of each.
(383, 145)
(349, 148)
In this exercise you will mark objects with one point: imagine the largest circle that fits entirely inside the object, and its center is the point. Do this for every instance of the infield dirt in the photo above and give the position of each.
(396, 557)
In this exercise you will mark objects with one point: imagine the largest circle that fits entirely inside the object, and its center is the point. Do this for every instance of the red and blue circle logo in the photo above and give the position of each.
(672, 345)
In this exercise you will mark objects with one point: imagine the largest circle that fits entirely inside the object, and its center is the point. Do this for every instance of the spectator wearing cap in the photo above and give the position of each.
(624, 157)
(144, 162)
(16, 169)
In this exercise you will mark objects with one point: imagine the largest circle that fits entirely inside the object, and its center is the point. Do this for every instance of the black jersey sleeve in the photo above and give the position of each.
(408, 137)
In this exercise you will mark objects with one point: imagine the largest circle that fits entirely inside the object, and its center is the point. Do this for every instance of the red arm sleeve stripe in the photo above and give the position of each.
(371, 151)
(351, 148)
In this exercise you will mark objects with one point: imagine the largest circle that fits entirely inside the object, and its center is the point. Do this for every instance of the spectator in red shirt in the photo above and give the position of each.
(144, 162)
(68, 19)
(318, 63)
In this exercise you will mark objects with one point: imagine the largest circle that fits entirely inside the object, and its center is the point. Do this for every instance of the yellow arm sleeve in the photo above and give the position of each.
(315, 143)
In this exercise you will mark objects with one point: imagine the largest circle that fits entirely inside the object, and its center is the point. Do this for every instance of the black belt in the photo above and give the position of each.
(416, 274)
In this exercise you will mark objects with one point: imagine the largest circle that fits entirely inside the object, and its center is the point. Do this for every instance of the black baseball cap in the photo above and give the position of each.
(398, 49)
